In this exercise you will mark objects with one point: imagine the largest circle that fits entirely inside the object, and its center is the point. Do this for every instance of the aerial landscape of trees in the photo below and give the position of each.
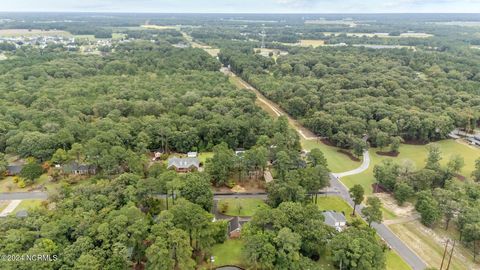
(151, 90)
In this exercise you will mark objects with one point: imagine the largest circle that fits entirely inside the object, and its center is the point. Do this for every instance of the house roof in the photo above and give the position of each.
(14, 169)
(332, 218)
(183, 163)
(234, 224)
(74, 166)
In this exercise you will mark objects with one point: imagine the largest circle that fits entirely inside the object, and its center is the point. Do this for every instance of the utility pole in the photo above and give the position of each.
(451, 255)
(444, 253)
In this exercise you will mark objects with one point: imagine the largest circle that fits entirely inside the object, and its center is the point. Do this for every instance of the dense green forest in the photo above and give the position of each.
(148, 91)
(344, 93)
(142, 97)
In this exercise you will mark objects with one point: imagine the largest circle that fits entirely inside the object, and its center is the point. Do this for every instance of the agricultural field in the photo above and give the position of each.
(417, 155)
(312, 42)
(159, 27)
(32, 32)
(381, 35)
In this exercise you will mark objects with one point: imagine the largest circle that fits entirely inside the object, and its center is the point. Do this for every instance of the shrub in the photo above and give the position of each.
(21, 183)
(223, 207)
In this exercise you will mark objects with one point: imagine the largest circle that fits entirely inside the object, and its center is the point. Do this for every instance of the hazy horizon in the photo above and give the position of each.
(246, 6)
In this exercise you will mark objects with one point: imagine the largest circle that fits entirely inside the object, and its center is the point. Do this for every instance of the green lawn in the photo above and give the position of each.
(387, 214)
(204, 156)
(416, 154)
(228, 253)
(395, 262)
(337, 162)
(241, 207)
(27, 204)
(335, 203)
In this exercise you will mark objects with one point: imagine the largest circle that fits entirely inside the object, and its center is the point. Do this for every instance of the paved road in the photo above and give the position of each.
(401, 248)
(23, 196)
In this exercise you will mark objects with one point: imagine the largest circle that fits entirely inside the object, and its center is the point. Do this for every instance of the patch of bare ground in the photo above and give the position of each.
(388, 154)
(242, 187)
(407, 210)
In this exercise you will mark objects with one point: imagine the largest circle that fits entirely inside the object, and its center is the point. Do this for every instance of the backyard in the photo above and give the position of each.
(240, 207)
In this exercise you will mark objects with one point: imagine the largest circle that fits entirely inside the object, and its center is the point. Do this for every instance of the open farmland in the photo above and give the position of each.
(32, 32)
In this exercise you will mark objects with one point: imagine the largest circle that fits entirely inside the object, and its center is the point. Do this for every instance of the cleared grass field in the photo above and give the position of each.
(416, 154)
(241, 207)
(430, 246)
(159, 27)
(337, 162)
(312, 42)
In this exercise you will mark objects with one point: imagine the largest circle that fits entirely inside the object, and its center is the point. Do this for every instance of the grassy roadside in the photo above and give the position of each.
(430, 246)
(417, 155)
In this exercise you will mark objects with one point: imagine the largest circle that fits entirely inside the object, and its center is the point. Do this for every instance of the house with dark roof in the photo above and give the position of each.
(335, 219)
(187, 164)
(79, 169)
(235, 225)
(13, 170)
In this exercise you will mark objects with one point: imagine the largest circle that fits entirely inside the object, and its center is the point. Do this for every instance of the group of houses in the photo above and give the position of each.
(73, 168)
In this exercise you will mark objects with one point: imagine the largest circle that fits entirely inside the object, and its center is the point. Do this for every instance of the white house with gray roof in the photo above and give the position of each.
(187, 164)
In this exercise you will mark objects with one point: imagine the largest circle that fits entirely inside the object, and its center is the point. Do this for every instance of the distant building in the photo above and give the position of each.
(192, 154)
(79, 169)
(188, 164)
(335, 219)
(239, 151)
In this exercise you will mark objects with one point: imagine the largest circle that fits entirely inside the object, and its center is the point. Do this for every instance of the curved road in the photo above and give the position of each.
(362, 168)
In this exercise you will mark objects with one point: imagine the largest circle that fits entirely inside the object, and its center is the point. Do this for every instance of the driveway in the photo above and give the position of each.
(10, 196)
(362, 168)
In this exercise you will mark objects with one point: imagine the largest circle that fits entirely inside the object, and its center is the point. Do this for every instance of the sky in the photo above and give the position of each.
(245, 6)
